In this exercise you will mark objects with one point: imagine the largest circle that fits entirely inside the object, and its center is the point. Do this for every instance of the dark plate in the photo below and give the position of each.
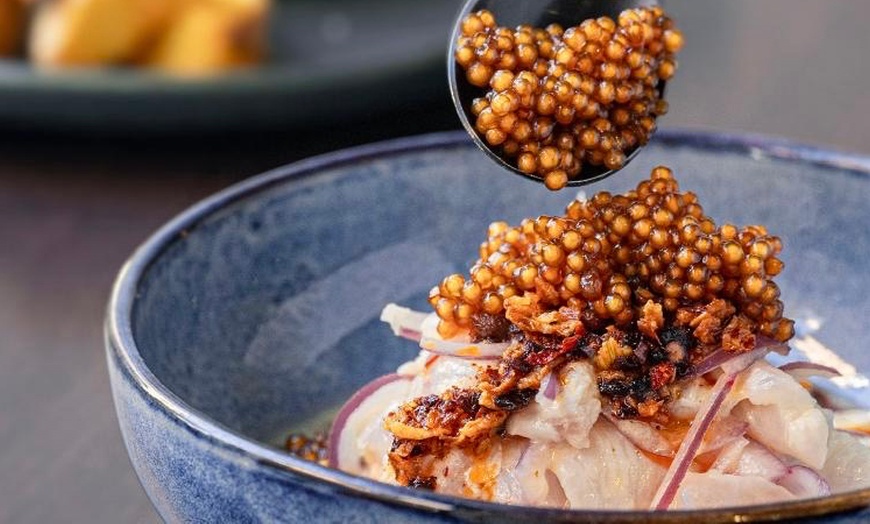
(328, 60)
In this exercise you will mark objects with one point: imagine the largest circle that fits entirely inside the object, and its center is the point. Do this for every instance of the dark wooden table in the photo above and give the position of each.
(73, 208)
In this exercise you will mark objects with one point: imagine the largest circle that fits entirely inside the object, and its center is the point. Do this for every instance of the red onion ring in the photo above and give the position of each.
(719, 357)
(803, 482)
(410, 334)
(804, 370)
(352, 404)
(713, 361)
(404, 322)
(772, 344)
(694, 438)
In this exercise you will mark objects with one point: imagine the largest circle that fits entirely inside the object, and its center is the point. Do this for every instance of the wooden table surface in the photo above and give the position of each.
(72, 209)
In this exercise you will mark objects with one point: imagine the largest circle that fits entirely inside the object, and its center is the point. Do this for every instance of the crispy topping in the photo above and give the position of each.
(456, 415)
(526, 313)
(738, 335)
(651, 319)
(609, 352)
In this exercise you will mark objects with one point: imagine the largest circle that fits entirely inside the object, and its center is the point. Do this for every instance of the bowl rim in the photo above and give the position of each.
(121, 345)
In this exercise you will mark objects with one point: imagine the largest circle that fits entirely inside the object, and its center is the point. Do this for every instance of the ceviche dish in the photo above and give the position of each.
(613, 357)
(609, 358)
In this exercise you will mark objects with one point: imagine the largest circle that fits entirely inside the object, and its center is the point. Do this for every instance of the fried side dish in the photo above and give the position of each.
(554, 99)
(211, 36)
(610, 358)
(13, 17)
(95, 32)
(182, 37)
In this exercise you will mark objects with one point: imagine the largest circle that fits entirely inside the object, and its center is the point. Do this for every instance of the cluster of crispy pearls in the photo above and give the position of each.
(609, 255)
(559, 99)
(308, 448)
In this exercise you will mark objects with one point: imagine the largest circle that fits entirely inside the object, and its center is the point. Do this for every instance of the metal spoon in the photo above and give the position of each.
(538, 13)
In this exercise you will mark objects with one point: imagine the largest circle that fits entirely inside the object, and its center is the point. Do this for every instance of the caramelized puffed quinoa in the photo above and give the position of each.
(557, 99)
(308, 448)
(643, 285)
(608, 256)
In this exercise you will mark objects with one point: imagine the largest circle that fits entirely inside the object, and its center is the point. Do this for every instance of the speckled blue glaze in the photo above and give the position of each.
(256, 310)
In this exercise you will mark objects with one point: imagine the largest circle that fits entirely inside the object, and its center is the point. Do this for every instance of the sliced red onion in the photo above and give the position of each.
(642, 435)
(803, 482)
(805, 370)
(692, 442)
(772, 345)
(719, 357)
(460, 346)
(700, 424)
(744, 360)
(404, 322)
(551, 385)
(713, 361)
(410, 334)
(757, 460)
(338, 441)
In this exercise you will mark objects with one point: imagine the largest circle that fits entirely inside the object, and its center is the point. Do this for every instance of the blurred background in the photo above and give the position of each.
(93, 159)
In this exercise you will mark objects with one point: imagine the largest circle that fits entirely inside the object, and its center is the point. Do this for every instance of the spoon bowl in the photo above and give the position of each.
(511, 13)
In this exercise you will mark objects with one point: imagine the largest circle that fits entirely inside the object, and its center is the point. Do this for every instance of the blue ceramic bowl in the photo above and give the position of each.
(255, 312)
